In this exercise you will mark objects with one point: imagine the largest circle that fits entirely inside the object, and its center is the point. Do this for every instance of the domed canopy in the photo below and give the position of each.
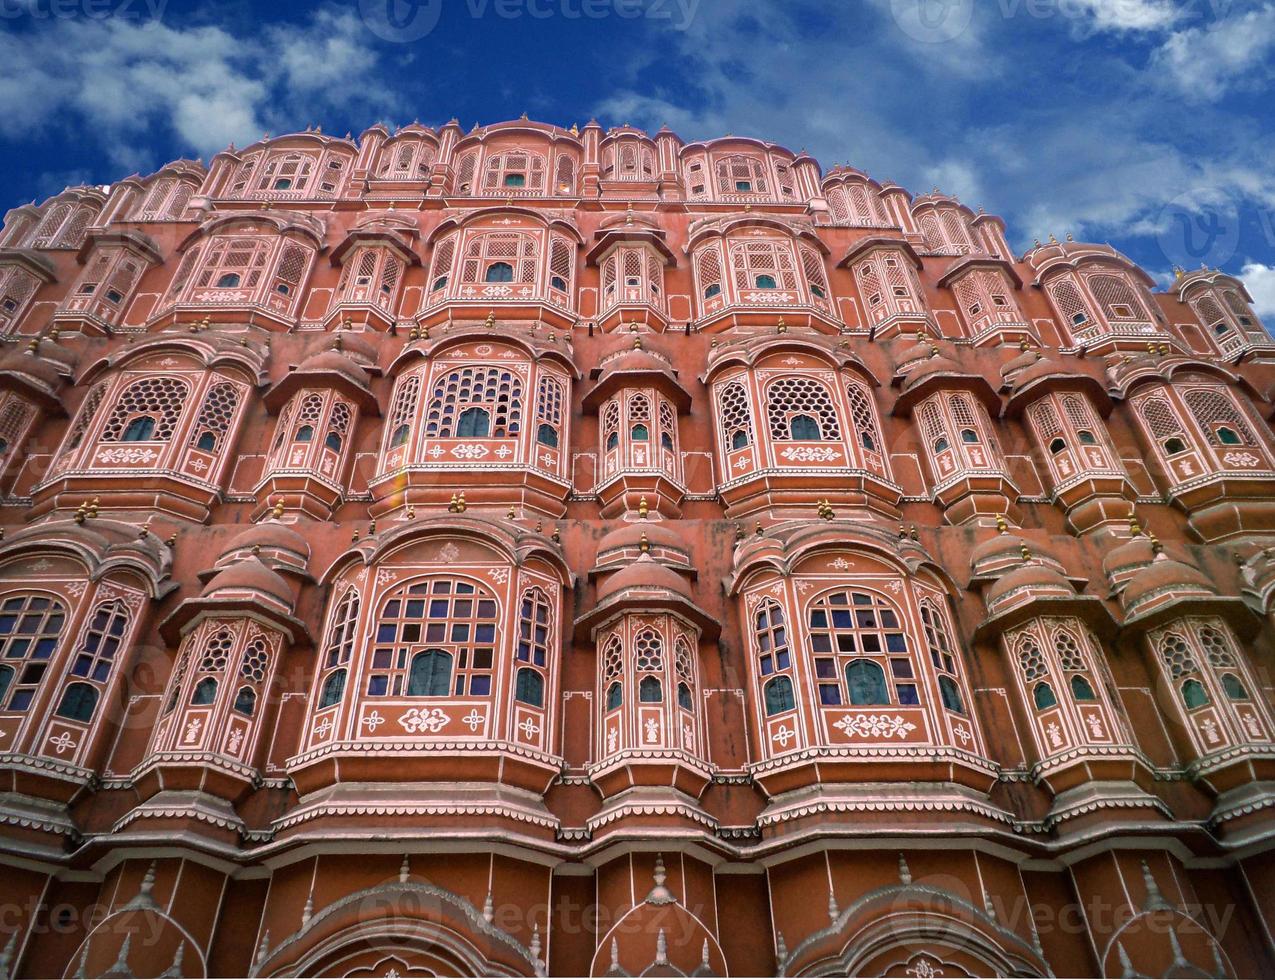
(631, 369)
(618, 546)
(644, 585)
(249, 575)
(1004, 551)
(1164, 581)
(644, 575)
(276, 544)
(1026, 583)
(326, 369)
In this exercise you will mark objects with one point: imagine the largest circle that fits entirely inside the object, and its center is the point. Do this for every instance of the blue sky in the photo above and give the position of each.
(1145, 123)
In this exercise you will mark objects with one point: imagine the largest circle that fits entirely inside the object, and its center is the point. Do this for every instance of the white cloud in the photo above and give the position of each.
(1260, 281)
(1130, 15)
(112, 80)
(1202, 63)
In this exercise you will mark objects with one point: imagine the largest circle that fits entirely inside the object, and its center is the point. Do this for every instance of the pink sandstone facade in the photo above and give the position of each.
(536, 551)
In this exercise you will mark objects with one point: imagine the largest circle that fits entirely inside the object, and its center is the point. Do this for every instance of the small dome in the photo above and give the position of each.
(249, 575)
(644, 575)
(937, 364)
(1022, 360)
(1032, 580)
(354, 344)
(1004, 551)
(334, 362)
(269, 536)
(36, 366)
(1042, 368)
(1162, 577)
(658, 535)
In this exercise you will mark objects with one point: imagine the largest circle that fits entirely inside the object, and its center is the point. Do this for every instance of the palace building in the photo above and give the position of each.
(535, 551)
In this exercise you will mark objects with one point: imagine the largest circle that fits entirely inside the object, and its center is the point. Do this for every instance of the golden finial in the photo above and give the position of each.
(172, 540)
(81, 512)
(913, 533)
(1026, 553)
(552, 336)
(460, 503)
(637, 343)
(643, 508)
(93, 506)
(413, 334)
(903, 533)
(512, 515)
(491, 319)
(410, 512)
(739, 532)
(1023, 345)
(371, 527)
(1156, 547)
(758, 529)
(145, 531)
(540, 526)
(1002, 525)
(354, 538)
(1135, 527)
(782, 326)
(644, 544)
(557, 534)
(454, 506)
(277, 510)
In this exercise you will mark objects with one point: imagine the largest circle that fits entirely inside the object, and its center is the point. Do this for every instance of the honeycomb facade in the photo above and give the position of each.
(542, 551)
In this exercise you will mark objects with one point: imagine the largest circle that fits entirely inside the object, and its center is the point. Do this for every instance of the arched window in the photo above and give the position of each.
(533, 628)
(529, 687)
(78, 703)
(615, 696)
(788, 399)
(951, 695)
(650, 691)
(205, 691)
(778, 695)
(803, 428)
(855, 626)
(1044, 697)
(139, 429)
(864, 416)
(457, 620)
(229, 281)
(6, 678)
(549, 409)
(1216, 412)
(160, 401)
(640, 432)
(474, 423)
(497, 391)
(333, 441)
(431, 674)
(772, 640)
(499, 272)
(30, 627)
(1233, 688)
(1081, 689)
(684, 699)
(304, 434)
(216, 416)
(736, 415)
(865, 680)
(245, 701)
(98, 647)
(1193, 694)
(333, 689)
